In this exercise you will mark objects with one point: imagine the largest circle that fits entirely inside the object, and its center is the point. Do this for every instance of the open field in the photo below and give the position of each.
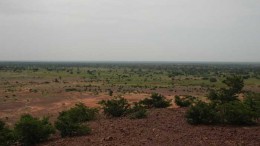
(47, 88)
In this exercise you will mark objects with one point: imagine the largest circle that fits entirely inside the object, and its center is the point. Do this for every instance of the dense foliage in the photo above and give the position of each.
(115, 107)
(30, 130)
(70, 122)
(225, 107)
(6, 135)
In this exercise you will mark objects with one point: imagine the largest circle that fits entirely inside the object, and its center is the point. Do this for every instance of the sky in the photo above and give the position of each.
(130, 30)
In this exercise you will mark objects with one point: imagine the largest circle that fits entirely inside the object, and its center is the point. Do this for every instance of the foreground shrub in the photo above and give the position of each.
(137, 111)
(81, 113)
(185, 101)
(115, 107)
(30, 130)
(70, 122)
(253, 101)
(237, 113)
(156, 100)
(202, 113)
(6, 135)
(68, 127)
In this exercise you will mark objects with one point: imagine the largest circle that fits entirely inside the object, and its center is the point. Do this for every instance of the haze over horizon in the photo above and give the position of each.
(136, 30)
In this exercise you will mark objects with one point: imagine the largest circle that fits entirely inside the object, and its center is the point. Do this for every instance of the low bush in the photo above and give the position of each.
(115, 107)
(70, 122)
(202, 113)
(68, 127)
(213, 80)
(6, 135)
(237, 113)
(185, 101)
(81, 113)
(137, 111)
(156, 101)
(233, 112)
(30, 130)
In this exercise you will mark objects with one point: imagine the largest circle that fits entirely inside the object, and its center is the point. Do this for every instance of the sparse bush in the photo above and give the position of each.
(213, 80)
(69, 122)
(185, 101)
(137, 111)
(110, 92)
(68, 127)
(237, 113)
(115, 107)
(202, 113)
(6, 135)
(156, 100)
(225, 108)
(81, 113)
(30, 130)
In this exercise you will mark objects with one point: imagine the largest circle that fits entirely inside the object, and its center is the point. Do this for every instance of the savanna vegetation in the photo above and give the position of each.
(219, 94)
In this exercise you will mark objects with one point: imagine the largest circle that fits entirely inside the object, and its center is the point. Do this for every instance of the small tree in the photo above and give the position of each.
(30, 130)
(234, 86)
(110, 92)
(115, 107)
(224, 106)
(156, 100)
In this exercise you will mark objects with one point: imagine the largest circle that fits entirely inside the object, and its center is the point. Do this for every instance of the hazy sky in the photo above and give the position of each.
(130, 30)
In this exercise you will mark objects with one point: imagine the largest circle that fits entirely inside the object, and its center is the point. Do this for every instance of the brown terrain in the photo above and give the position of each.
(162, 127)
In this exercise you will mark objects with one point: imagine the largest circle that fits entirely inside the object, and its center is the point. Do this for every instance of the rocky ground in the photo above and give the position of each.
(162, 127)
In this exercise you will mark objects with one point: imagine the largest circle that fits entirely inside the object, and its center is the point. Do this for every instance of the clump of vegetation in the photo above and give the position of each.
(213, 80)
(70, 122)
(110, 92)
(253, 101)
(115, 107)
(202, 113)
(156, 101)
(224, 106)
(6, 135)
(185, 101)
(137, 111)
(30, 130)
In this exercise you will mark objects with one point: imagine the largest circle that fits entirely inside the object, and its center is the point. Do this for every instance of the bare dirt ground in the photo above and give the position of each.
(162, 127)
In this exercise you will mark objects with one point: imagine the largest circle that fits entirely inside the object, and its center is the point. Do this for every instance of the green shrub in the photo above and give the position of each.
(213, 80)
(6, 135)
(184, 102)
(30, 130)
(253, 101)
(68, 127)
(69, 122)
(81, 113)
(202, 113)
(115, 107)
(237, 113)
(156, 100)
(137, 111)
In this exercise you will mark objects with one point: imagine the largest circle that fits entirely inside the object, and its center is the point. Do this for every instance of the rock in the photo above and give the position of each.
(109, 138)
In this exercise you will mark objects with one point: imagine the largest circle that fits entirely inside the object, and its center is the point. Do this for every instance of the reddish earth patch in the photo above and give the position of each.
(162, 127)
